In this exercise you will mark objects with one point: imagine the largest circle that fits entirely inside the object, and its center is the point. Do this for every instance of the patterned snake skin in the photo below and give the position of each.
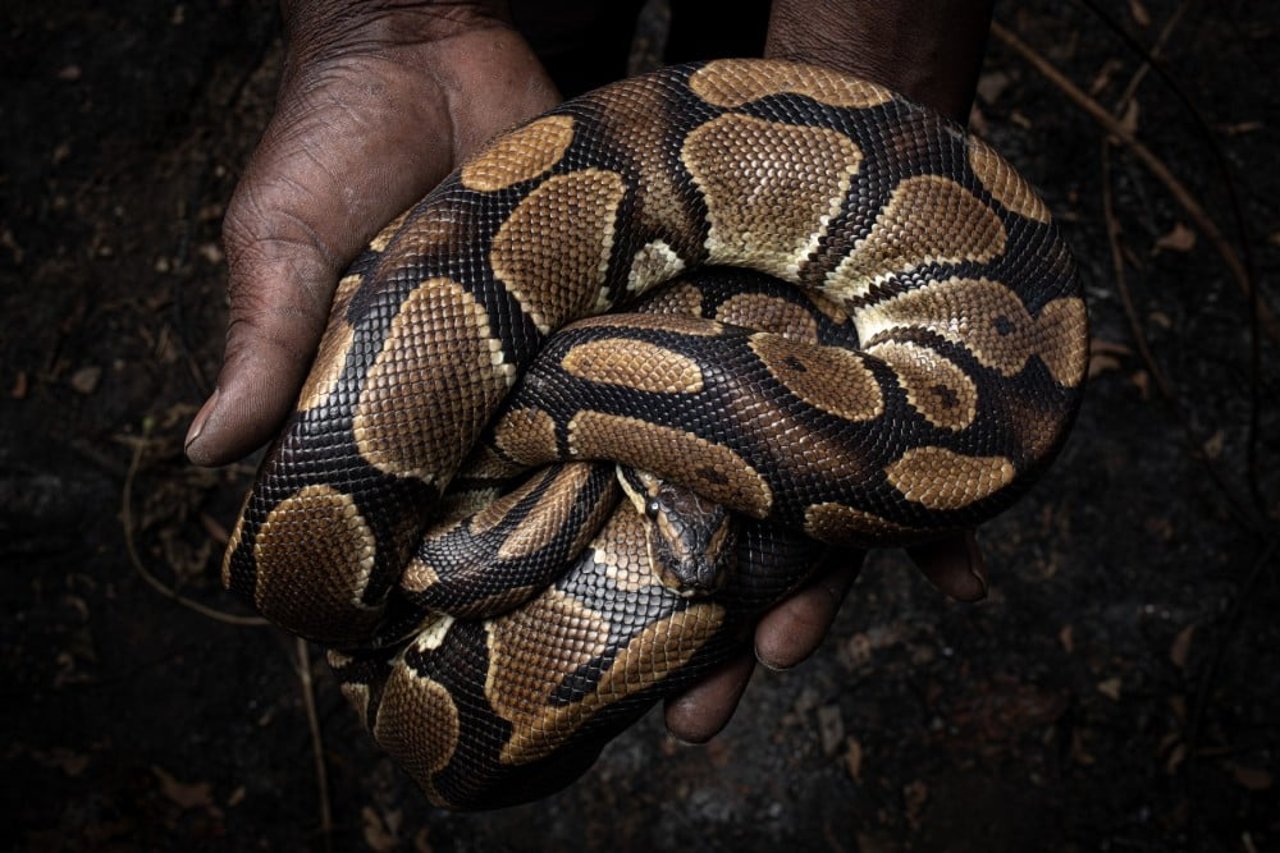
(907, 364)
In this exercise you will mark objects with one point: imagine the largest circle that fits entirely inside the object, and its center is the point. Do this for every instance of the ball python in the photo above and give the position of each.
(447, 362)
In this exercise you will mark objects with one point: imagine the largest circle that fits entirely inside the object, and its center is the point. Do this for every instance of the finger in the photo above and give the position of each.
(698, 714)
(954, 565)
(794, 629)
(312, 195)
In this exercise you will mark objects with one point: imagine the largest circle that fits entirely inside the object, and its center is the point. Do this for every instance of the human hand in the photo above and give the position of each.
(930, 51)
(378, 102)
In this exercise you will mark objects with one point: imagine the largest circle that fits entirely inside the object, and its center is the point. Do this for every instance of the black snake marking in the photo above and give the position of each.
(966, 373)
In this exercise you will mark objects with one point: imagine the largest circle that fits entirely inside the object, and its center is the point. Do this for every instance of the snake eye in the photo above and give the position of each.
(651, 508)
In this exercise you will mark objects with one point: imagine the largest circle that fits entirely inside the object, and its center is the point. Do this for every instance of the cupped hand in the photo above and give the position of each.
(795, 627)
(931, 51)
(376, 105)
(380, 101)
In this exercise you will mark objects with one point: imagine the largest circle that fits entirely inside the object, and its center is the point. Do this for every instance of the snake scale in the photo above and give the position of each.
(900, 356)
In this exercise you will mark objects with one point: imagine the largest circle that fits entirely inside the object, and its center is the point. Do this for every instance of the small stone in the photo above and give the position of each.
(85, 380)
(830, 728)
(211, 253)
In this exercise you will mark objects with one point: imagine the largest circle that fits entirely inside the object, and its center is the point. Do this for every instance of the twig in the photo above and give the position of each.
(126, 520)
(1149, 62)
(1163, 385)
(1157, 167)
(1148, 57)
(317, 743)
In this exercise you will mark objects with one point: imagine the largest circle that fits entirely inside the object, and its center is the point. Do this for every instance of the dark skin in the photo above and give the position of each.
(378, 102)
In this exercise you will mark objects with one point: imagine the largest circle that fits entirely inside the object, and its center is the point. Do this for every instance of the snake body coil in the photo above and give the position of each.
(917, 371)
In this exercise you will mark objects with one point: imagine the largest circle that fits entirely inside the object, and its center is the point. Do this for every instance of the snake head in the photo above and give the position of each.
(692, 541)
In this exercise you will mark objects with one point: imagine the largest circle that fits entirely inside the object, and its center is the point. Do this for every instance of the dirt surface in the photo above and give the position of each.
(1117, 690)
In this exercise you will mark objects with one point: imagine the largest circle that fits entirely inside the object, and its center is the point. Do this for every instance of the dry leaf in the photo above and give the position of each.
(1066, 636)
(1110, 688)
(1213, 445)
(1142, 381)
(1175, 759)
(215, 530)
(1102, 79)
(1141, 16)
(1101, 346)
(21, 385)
(1179, 239)
(1129, 121)
(196, 795)
(68, 761)
(991, 85)
(1105, 355)
(1161, 319)
(1252, 778)
(830, 728)
(858, 650)
(1101, 363)
(1079, 754)
(11, 243)
(85, 380)
(853, 758)
(376, 833)
(1181, 646)
(211, 252)
(977, 122)
(806, 701)
(915, 794)
(1241, 127)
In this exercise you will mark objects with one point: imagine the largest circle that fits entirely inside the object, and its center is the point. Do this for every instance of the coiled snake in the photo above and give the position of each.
(917, 370)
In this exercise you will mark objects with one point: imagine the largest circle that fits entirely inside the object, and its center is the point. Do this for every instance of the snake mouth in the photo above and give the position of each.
(691, 578)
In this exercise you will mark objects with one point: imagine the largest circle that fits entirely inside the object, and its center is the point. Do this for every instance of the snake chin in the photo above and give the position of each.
(692, 542)
(698, 573)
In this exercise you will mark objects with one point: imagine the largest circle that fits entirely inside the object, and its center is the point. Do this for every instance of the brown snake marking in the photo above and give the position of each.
(917, 371)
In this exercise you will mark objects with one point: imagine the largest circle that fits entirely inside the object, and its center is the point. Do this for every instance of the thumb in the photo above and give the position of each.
(357, 137)
(345, 152)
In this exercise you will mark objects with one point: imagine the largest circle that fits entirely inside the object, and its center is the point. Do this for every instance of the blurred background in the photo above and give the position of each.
(1117, 690)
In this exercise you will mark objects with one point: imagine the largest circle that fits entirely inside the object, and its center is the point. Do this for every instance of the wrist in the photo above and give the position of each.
(317, 28)
(929, 50)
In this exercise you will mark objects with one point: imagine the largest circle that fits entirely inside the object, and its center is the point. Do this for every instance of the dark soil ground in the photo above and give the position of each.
(1119, 689)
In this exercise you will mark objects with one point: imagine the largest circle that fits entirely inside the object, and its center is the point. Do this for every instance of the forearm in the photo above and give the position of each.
(929, 50)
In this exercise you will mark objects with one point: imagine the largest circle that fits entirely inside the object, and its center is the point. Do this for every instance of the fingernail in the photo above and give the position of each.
(772, 666)
(202, 416)
(977, 566)
(979, 575)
